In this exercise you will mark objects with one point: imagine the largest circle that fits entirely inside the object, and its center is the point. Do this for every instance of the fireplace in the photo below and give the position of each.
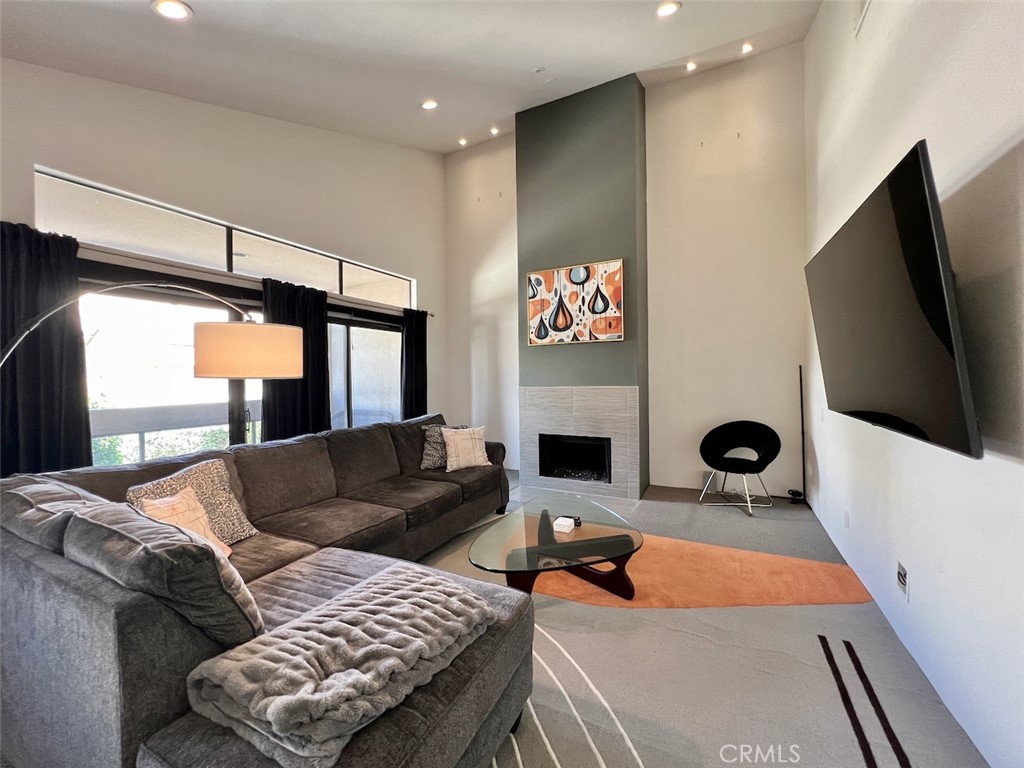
(574, 457)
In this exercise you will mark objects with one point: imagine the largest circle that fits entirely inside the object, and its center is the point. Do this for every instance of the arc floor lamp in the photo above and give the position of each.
(234, 349)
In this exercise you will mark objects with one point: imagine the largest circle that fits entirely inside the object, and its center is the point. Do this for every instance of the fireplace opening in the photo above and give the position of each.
(574, 457)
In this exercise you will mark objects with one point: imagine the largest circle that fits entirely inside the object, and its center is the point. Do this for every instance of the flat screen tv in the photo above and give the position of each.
(885, 315)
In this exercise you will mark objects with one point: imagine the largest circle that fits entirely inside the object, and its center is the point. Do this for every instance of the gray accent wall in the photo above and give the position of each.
(582, 197)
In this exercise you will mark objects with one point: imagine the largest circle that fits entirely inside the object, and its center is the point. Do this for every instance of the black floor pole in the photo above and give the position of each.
(803, 441)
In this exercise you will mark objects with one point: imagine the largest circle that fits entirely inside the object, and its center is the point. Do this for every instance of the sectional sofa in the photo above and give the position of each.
(94, 673)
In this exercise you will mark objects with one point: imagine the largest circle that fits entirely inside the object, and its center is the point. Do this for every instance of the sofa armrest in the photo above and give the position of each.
(495, 452)
(83, 657)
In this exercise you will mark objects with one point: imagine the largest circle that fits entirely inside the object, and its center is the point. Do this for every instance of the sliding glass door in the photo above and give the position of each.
(366, 374)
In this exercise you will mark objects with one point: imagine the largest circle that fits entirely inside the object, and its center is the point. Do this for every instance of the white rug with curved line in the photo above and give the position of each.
(687, 688)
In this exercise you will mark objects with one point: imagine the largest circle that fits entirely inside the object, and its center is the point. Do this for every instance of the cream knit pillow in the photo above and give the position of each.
(184, 510)
(465, 448)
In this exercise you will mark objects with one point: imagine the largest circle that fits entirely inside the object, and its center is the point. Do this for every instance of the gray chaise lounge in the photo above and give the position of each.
(93, 673)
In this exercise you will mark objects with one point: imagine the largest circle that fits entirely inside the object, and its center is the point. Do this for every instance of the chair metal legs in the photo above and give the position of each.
(746, 499)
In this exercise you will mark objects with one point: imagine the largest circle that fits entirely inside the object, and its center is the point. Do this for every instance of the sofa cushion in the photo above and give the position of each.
(474, 481)
(338, 522)
(259, 555)
(284, 474)
(421, 500)
(38, 510)
(409, 439)
(212, 486)
(361, 455)
(432, 727)
(298, 587)
(170, 563)
(112, 483)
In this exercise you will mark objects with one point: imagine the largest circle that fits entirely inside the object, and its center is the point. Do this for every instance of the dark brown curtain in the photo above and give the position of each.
(414, 363)
(294, 407)
(45, 420)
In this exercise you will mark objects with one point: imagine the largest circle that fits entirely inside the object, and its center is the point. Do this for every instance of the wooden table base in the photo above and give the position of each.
(616, 580)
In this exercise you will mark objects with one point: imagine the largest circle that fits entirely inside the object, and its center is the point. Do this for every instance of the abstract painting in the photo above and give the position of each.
(575, 304)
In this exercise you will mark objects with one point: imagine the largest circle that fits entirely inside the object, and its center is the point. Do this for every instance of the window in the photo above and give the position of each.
(366, 375)
(376, 364)
(144, 401)
(123, 222)
(93, 216)
(362, 283)
(337, 347)
(260, 257)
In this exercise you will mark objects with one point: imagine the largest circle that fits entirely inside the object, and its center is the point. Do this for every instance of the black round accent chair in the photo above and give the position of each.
(759, 438)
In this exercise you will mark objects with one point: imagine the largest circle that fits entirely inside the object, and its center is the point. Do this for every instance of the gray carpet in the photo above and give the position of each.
(683, 688)
(675, 688)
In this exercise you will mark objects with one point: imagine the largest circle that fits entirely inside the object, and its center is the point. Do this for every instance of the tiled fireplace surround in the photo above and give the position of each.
(611, 412)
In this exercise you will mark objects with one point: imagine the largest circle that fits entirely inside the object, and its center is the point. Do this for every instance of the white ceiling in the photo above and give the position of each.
(363, 68)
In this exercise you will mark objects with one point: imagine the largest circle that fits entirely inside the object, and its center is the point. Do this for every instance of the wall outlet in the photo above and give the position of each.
(901, 579)
(846, 518)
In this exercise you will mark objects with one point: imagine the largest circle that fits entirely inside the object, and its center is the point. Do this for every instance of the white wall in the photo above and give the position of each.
(725, 225)
(483, 349)
(375, 203)
(950, 73)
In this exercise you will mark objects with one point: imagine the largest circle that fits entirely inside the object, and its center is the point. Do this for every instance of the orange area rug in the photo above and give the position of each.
(673, 573)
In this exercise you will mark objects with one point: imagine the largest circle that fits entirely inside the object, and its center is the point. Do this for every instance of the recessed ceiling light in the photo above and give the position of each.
(463, 142)
(691, 65)
(668, 7)
(172, 9)
(429, 104)
(494, 130)
(747, 48)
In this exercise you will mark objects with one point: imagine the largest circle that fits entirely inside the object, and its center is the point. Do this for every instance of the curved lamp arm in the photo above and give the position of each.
(35, 322)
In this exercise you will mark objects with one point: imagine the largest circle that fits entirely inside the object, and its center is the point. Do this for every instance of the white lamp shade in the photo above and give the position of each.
(238, 350)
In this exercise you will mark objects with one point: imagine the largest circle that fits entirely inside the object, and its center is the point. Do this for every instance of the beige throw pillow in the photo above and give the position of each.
(184, 510)
(434, 454)
(465, 448)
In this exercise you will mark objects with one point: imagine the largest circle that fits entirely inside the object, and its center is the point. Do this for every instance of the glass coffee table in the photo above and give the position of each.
(524, 544)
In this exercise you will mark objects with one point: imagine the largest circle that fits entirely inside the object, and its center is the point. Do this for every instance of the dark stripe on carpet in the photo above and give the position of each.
(858, 730)
(869, 689)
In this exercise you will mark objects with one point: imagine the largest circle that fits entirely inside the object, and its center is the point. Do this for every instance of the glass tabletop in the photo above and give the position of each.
(525, 540)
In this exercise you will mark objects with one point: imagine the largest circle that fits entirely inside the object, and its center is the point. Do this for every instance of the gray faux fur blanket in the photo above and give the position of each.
(299, 693)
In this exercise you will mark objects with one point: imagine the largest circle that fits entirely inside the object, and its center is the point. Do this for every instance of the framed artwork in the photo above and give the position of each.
(577, 304)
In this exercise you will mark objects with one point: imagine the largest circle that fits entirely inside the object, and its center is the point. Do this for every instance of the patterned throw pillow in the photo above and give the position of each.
(209, 479)
(465, 448)
(434, 454)
(184, 510)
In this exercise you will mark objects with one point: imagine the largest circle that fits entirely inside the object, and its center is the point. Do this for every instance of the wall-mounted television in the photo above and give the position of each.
(884, 306)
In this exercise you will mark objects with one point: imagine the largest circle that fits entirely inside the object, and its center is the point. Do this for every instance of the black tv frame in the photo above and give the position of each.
(949, 291)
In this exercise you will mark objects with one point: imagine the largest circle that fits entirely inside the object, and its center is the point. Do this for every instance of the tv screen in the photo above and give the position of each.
(885, 315)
